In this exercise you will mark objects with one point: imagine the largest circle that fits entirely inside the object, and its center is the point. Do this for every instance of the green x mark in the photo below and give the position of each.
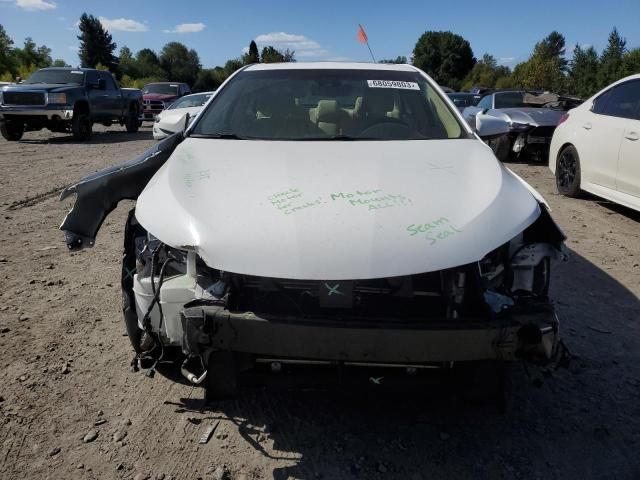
(333, 289)
(376, 380)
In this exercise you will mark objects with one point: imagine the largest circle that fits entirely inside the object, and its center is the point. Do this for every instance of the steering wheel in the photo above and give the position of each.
(386, 127)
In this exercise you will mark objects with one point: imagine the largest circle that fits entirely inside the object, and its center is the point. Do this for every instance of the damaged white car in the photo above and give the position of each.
(327, 213)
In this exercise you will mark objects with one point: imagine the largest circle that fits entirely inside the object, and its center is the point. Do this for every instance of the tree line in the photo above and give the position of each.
(445, 56)
(448, 58)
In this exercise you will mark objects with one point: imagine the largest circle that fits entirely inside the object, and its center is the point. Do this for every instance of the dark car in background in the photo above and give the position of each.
(158, 96)
(531, 117)
(67, 100)
(463, 100)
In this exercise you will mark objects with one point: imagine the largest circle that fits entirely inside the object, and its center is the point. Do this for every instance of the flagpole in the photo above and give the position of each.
(374, 60)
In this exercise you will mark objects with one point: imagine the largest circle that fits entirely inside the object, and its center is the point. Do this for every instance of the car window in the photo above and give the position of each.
(92, 77)
(196, 100)
(485, 102)
(321, 104)
(509, 100)
(110, 83)
(623, 100)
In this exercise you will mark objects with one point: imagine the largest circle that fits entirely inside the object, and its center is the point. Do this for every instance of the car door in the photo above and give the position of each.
(628, 177)
(98, 98)
(113, 98)
(598, 141)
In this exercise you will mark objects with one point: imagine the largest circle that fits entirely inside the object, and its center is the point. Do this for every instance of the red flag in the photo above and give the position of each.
(362, 36)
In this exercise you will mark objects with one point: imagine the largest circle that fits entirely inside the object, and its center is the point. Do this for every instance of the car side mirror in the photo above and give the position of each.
(488, 126)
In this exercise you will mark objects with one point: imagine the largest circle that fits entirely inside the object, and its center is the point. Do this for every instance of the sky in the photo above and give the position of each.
(323, 30)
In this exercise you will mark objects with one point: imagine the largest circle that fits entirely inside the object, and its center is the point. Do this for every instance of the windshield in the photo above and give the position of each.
(510, 100)
(322, 104)
(161, 88)
(196, 100)
(63, 77)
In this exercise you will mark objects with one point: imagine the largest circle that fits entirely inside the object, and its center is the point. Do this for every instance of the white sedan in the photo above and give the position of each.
(327, 213)
(171, 120)
(596, 147)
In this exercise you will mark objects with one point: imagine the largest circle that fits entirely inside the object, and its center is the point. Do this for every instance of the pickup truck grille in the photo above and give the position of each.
(23, 98)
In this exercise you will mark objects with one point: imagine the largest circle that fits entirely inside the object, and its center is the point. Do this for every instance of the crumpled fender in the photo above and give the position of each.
(98, 194)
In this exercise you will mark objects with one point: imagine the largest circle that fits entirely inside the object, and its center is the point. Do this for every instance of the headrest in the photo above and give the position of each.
(326, 111)
(378, 101)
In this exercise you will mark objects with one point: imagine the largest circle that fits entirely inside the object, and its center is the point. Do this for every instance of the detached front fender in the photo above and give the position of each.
(98, 194)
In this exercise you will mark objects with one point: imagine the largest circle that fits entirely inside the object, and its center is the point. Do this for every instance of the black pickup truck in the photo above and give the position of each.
(67, 100)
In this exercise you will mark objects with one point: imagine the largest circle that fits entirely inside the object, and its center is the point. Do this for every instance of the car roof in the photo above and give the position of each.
(332, 66)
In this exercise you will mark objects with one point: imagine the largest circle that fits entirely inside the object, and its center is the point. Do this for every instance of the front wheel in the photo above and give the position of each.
(81, 127)
(501, 147)
(568, 172)
(12, 131)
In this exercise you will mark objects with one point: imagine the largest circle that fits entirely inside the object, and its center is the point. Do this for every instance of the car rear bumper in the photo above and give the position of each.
(20, 112)
(207, 327)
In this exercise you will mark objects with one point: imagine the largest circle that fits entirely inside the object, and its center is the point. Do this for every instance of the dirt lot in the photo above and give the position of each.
(64, 365)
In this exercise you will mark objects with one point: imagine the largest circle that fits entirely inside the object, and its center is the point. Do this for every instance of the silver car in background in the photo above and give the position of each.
(532, 118)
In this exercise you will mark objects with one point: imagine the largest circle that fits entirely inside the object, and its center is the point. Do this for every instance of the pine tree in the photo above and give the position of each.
(96, 44)
(254, 56)
(583, 72)
(611, 60)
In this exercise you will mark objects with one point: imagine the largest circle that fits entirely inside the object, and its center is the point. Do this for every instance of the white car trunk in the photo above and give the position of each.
(335, 209)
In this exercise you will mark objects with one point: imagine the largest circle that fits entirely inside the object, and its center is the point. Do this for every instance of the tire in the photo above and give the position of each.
(501, 147)
(132, 123)
(12, 131)
(221, 380)
(568, 175)
(81, 127)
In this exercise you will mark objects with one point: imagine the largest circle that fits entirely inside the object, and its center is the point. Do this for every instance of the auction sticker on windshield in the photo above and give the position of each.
(393, 84)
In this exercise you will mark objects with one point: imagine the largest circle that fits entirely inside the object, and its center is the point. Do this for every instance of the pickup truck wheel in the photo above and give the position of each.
(221, 379)
(12, 131)
(132, 123)
(81, 127)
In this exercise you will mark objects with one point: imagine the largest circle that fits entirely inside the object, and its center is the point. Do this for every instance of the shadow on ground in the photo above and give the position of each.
(98, 138)
(558, 424)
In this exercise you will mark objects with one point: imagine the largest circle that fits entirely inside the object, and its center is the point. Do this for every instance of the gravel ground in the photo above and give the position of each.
(70, 408)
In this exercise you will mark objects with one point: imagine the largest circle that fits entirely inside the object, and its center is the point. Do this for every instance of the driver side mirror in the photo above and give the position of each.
(488, 126)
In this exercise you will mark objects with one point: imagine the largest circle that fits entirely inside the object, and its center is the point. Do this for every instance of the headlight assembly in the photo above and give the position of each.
(57, 98)
(519, 127)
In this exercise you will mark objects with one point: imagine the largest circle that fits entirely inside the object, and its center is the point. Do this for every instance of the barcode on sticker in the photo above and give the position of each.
(393, 84)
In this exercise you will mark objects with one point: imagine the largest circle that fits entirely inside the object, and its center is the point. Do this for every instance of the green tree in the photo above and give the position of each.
(209, 79)
(631, 62)
(485, 73)
(271, 55)
(96, 44)
(611, 60)
(58, 62)
(180, 63)
(233, 65)
(127, 65)
(553, 46)
(398, 59)
(582, 78)
(8, 63)
(148, 65)
(545, 67)
(252, 56)
(31, 54)
(445, 56)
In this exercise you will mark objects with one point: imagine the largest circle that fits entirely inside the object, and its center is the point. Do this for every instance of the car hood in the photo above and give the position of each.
(42, 87)
(158, 96)
(172, 119)
(532, 116)
(335, 210)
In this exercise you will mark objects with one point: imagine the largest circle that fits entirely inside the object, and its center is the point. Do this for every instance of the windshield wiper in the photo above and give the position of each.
(337, 137)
